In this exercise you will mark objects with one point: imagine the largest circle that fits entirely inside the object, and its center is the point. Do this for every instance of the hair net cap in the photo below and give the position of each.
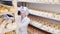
(25, 9)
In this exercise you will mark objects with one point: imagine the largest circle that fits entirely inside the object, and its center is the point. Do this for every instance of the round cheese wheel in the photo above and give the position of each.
(11, 9)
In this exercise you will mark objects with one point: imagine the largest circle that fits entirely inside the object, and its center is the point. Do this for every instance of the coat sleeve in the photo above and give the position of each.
(19, 18)
(26, 22)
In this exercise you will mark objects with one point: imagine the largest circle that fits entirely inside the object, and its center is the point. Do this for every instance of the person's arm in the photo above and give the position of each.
(26, 21)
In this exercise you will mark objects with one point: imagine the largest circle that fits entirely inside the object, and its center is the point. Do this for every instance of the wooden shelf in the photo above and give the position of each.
(45, 28)
(45, 25)
(42, 1)
(4, 9)
(34, 30)
(45, 14)
(10, 27)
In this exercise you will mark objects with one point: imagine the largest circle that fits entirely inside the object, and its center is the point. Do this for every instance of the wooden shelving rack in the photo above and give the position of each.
(4, 9)
(41, 23)
(42, 1)
(49, 15)
(44, 24)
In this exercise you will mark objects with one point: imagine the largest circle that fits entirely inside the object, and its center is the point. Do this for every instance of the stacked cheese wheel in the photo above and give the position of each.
(4, 21)
(5, 24)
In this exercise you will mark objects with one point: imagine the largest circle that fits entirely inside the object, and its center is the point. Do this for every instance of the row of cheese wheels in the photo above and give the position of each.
(45, 22)
(4, 24)
(50, 15)
(6, 9)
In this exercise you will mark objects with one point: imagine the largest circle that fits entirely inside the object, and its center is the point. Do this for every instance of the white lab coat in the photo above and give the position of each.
(23, 24)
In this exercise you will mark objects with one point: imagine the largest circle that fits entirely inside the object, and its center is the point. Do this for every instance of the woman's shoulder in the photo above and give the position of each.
(27, 18)
(18, 16)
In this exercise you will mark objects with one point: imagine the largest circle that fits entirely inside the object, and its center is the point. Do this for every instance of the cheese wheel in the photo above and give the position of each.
(11, 9)
(3, 10)
(50, 15)
(11, 32)
(1, 21)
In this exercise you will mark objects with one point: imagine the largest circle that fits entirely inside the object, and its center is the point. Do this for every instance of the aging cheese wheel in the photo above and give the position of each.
(57, 16)
(1, 20)
(11, 32)
(11, 9)
(5, 9)
(50, 15)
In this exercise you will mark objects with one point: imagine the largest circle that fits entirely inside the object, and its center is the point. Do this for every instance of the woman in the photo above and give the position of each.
(23, 20)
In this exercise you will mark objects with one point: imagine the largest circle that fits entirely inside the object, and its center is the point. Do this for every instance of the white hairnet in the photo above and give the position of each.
(25, 9)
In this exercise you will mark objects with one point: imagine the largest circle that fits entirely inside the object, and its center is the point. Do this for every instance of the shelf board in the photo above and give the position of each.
(42, 1)
(39, 1)
(52, 16)
(44, 27)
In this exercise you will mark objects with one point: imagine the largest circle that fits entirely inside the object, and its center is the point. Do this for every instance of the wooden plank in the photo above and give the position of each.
(16, 21)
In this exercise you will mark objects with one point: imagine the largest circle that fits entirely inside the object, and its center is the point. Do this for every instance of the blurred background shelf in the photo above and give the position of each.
(39, 1)
(42, 1)
(54, 16)
(45, 24)
(34, 30)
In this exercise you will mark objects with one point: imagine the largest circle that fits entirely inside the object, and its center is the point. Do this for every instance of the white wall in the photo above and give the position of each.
(46, 6)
